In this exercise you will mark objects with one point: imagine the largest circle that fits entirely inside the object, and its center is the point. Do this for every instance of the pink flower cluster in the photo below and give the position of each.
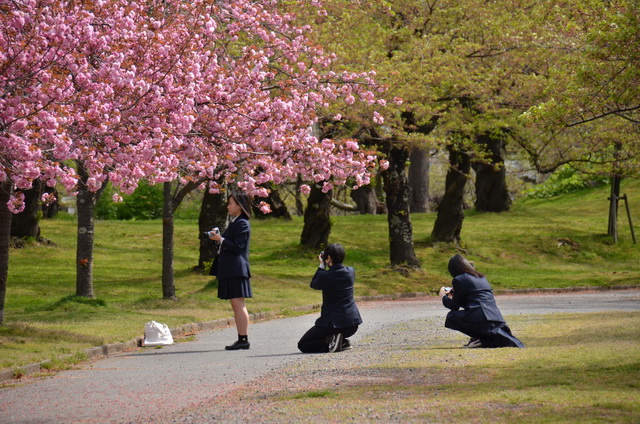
(160, 90)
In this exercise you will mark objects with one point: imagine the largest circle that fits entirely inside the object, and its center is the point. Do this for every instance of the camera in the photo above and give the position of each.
(214, 230)
(447, 289)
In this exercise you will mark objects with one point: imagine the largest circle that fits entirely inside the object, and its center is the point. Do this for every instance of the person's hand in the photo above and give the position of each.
(446, 291)
(215, 236)
(320, 259)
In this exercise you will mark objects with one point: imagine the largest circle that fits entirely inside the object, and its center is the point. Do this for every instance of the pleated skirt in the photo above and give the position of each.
(231, 288)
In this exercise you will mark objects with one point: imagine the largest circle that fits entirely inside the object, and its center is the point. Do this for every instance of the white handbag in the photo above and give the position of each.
(156, 334)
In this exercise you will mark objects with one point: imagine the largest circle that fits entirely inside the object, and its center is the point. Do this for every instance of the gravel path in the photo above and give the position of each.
(200, 382)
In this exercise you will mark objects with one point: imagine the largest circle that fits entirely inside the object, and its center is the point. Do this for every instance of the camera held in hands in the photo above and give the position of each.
(214, 230)
(447, 289)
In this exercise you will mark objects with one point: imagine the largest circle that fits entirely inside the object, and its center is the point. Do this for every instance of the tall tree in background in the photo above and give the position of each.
(492, 194)
(213, 213)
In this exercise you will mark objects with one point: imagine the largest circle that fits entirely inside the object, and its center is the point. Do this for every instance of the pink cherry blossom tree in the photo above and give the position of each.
(261, 86)
(34, 102)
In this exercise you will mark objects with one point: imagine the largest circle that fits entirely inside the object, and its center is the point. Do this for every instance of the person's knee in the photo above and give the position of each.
(302, 347)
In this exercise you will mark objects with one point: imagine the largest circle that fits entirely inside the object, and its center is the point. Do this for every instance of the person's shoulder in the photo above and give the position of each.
(344, 269)
(464, 278)
(242, 221)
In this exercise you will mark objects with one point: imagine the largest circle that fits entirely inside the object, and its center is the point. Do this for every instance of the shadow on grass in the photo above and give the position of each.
(68, 303)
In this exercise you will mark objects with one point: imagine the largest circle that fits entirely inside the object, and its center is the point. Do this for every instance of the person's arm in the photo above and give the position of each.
(319, 279)
(238, 243)
(452, 300)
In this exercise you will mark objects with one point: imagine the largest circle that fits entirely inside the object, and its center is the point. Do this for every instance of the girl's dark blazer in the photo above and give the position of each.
(473, 292)
(233, 260)
(339, 308)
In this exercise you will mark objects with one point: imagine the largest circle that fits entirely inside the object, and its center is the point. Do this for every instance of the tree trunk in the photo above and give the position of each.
(86, 205)
(275, 202)
(299, 204)
(170, 204)
(366, 200)
(492, 194)
(398, 195)
(25, 224)
(51, 210)
(168, 209)
(213, 213)
(419, 179)
(317, 219)
(5, 237)
(450, 215)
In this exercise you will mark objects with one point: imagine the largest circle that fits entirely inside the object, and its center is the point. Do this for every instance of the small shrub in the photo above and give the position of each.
(565, 180)
(144, 203)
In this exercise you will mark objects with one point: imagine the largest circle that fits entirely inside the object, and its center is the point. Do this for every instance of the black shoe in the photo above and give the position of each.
(238, 345)
(346, 345)
(335, 345)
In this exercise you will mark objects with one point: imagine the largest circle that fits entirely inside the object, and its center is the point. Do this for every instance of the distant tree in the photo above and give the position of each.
(317, 218)
(26, 224)
(492, 194)
(213, 213)
(419, 179)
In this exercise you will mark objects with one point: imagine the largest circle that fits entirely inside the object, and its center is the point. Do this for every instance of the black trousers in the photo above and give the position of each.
(490, 333)
(316, 340)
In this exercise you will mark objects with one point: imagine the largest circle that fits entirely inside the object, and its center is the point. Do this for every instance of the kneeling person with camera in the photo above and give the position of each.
(339, 316)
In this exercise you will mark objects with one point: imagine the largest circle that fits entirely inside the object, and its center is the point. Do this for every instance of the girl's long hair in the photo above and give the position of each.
(458, 264)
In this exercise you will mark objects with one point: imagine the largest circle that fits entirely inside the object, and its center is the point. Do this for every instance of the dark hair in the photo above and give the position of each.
(244, 201)
(458, 264)
(336, 251)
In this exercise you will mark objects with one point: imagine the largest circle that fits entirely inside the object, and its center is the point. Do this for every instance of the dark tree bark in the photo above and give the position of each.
(419, 179)
(275, 202)
(6, 189)
(419, 157)
(213, 213)
(51, 210)
(171, 201)
(86, 205)
(168, 210)
(450, 215)
(299, 204)
(26, 224)
(317, 219)
(492, 194)
(398, 195)
(614, 198)
(366, 200)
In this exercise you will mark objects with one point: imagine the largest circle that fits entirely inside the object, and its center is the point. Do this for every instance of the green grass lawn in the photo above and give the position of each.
(517, 249)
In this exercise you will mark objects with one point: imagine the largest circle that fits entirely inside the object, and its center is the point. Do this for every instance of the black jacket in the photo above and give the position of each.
(339, 308)
(472, 292)
(233, 260)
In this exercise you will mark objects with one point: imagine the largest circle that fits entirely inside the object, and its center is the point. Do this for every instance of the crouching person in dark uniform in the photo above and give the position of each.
(339, 317)
(479, 317)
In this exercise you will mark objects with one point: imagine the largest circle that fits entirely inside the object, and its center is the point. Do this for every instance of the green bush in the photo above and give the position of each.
(144, 203)
(565, 179)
